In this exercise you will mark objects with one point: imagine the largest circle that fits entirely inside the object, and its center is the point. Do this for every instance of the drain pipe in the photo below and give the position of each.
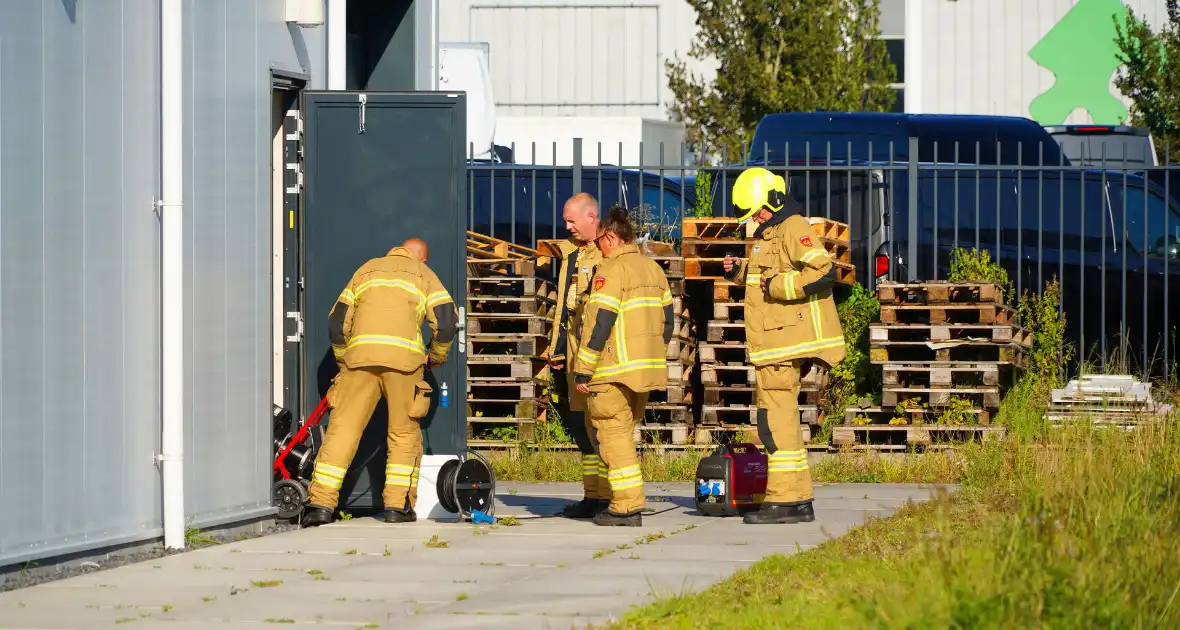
(172, 268)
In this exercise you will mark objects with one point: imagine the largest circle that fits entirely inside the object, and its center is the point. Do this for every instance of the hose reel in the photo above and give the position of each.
(467, 484)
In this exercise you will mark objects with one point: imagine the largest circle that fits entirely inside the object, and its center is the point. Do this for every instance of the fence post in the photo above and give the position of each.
(912, 213)
(577, 174)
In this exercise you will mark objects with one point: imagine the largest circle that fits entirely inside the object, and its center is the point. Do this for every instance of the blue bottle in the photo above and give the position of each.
(444, 399)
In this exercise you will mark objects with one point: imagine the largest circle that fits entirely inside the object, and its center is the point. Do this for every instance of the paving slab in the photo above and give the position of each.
(548, 572)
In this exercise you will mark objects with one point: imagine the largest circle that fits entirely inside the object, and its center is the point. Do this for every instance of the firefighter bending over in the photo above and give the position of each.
(579, 263)
(627, 326)
(376, 333)
(791, 322)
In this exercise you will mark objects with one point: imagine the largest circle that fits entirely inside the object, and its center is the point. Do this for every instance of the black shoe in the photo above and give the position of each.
(777, 513)
(586, 508)
(315, 515)
(610, 519)
(400, 516)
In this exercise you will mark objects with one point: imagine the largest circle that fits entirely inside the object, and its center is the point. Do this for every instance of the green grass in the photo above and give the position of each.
(1076, 528)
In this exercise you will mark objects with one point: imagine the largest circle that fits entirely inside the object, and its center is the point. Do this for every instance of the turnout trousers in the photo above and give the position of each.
(353, 396)
(789, 478)
(613, 412)
(594, 480)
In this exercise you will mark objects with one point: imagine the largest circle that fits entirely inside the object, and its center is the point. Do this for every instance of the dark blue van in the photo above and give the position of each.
(522, 203)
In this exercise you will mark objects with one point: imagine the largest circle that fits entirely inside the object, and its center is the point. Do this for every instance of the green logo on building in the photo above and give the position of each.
(1081, 53)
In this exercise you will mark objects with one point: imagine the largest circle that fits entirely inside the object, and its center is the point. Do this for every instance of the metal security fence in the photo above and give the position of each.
(1107, 230)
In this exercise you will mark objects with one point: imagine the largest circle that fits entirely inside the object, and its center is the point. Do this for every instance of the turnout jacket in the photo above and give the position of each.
(790, 312)
(627, 325)
(579, 263)
(377, 320)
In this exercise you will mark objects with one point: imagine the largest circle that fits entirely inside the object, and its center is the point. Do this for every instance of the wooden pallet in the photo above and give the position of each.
(878, 437)
(507, 324)
(975, 353)
(504, 267)
(939, 293)
(491, 409)
(726, 291)
(829, 229)
(483, 305)
(880, 333)
(980, 397)
(505, 368)
(656, 414)
(974, 313)
(509, 286)
(661, 433)
(714, 374)
(676, 393)
(478, 426)
(717, 247)
(713, 269)
(723, 353)
(731, 312)
(722, 415)
(482, 246)
(681, 348)
(715, 227)
(503, 390)
(863, 416)
(719, 332)
(524, 345)
(746, 396)
(944, 376)
(673, 266)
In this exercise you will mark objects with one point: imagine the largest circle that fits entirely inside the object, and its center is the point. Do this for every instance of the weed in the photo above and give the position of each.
(315, 572)
(508, 521)
(385, 551)
(322, 578)
(350, 552)
(194, 537)
(209, 598)
(344, 516)
(265, 583)
(126, 619)
(276, 620)
(436, 543)
(167, 608)
(460, 597)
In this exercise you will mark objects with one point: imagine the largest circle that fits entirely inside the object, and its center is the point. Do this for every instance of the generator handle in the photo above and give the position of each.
(745, 446)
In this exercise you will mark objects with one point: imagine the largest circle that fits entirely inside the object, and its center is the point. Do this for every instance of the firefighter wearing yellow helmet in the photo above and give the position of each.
(791, 323)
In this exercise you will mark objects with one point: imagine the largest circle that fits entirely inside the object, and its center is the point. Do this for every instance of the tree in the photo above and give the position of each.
(1150, 76)
(778, 56)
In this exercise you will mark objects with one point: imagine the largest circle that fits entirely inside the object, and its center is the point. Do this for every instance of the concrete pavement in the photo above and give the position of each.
(362, 573)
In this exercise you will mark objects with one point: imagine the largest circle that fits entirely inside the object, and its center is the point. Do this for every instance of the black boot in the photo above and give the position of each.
(778, 513)
(586, 508)
(315, 515)
(608, 518)
(400, 516)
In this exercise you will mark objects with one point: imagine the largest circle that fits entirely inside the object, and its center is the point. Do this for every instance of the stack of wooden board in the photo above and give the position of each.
(727, 376)
(668, 419)
(948, 353)
(1115, 401)
(509, 317)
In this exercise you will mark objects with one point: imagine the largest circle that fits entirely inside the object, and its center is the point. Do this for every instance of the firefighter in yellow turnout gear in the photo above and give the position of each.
(791, 322)
(579, 262)
(627, 326)
(375, 330)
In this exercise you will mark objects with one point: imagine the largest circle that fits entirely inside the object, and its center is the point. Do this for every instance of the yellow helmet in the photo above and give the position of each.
(758, 188)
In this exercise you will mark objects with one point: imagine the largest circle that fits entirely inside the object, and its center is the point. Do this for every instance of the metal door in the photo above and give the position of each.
(382, 167)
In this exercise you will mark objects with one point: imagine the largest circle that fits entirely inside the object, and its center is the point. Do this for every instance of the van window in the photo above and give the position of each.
(1162, 223)
(831, 194)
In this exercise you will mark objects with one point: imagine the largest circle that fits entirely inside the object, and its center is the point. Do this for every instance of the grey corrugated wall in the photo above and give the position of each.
(79, 265)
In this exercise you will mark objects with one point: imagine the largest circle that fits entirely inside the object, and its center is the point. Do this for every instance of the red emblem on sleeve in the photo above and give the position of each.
(806, 240)
(599, 282)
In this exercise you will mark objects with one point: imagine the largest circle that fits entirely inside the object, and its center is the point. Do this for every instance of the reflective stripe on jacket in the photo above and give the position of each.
(579, 263)
(790, 312)
(377, 320)
(627, 325)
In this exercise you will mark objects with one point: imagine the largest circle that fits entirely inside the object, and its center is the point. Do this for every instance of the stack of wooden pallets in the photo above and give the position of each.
(509, 317)
(727, 377)
(1112, 401)
(948, 353)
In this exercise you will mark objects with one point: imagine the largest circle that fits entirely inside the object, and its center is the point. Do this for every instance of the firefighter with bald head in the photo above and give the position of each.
(791, 323)
(624, 333)
(376, 332)
(580, 258)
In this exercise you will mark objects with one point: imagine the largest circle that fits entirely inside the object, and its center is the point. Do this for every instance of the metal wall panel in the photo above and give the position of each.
(976, 57)
(230, 48)
(563, 58)
(79, 283)
(79, 265)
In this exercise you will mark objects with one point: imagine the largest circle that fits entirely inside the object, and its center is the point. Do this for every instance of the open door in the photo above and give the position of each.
(381, 167)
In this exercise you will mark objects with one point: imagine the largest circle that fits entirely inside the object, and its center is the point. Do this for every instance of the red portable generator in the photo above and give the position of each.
(731, 480)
